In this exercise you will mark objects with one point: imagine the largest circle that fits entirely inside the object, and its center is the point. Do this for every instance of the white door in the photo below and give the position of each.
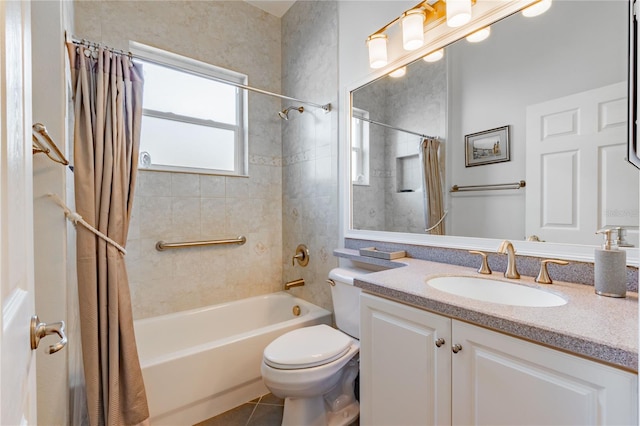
(17, 360)
(579, 179)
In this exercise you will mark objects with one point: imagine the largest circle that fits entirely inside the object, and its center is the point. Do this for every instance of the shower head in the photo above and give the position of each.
(284, 114)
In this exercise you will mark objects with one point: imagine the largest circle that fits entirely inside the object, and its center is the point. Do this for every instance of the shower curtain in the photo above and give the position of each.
(108, 108)
(432, 183)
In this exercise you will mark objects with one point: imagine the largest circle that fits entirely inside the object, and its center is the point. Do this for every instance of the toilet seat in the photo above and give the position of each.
(307, 347)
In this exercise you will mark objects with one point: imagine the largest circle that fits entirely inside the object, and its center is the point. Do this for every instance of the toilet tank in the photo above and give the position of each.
(346, 299)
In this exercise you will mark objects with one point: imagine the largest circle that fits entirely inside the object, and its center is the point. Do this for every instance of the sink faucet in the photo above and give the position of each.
(507, 248)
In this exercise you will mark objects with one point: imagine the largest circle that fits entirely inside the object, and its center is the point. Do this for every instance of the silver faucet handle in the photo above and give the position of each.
(484, 267)
(543, 276)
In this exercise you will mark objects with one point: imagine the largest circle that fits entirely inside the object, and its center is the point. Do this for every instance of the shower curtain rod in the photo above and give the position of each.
(396, 128)
(326, 107)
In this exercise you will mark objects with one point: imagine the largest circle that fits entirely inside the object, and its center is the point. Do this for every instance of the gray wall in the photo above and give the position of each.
(415, 102)
(175, 206)
(290, 196)
(369, 201)
(492, 83)
(310, 145)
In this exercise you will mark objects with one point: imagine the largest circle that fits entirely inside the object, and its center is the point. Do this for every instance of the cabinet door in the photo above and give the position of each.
(404, 375)
(501, 380)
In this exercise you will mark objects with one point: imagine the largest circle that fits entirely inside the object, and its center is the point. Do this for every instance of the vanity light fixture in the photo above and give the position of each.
(377, 44)
(425, 15)
(400, 72)
(414, 21)
(434, 56)
(479, 35)
(413, 29)
(537, 8)
(458, 12)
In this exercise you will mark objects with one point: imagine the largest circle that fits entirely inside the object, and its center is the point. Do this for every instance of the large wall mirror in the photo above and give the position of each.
(542, 100)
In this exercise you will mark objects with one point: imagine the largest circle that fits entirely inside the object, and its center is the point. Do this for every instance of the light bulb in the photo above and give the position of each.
(434, 56)
(413, 29)
(537, 8)
(400, 72)
(479, 35)
(377, 44)
(458, 12)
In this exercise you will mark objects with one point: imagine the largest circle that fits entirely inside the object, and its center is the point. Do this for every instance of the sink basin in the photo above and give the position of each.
(495, 291)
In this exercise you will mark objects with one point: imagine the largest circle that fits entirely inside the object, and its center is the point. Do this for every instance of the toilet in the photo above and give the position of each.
(314, 368)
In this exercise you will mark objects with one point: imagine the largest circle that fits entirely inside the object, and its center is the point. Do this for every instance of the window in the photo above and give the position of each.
(192, 121)
(359, 147)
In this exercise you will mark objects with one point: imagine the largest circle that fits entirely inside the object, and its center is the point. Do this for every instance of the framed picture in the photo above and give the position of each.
(490, 146)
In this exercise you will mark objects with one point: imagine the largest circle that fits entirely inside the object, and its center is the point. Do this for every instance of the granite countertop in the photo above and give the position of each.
(597, 327)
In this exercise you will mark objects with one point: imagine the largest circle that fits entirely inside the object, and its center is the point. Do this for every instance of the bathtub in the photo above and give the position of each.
(199, 363)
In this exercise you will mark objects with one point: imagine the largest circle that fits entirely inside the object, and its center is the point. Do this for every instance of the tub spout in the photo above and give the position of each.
(295, 283)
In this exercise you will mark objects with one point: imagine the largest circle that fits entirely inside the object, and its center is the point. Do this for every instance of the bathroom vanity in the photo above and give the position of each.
(431, 357)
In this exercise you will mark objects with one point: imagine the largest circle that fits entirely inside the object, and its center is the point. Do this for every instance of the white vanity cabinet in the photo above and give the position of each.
(405, 378)
(492, 379)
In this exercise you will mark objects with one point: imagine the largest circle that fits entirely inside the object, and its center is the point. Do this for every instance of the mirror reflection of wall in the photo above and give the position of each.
(575, 47)
(394, 199)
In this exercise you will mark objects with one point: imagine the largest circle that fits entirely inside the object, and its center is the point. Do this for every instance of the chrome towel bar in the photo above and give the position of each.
(163, 245)
(515, 185)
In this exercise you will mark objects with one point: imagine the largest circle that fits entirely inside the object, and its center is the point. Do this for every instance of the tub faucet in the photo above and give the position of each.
(507, 248)
(295, 283)
(302, 256)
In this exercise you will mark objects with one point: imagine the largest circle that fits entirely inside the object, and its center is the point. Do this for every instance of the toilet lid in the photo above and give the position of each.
(307, 347)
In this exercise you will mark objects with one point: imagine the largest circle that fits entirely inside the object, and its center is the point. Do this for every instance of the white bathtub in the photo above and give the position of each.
(199, 363)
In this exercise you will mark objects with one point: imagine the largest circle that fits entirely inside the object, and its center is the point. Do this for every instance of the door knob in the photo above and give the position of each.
(41, 329)
(440, 342)
(456, 348)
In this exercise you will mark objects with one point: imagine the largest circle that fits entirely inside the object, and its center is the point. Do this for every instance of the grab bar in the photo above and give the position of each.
(162, 245)
(515, 185)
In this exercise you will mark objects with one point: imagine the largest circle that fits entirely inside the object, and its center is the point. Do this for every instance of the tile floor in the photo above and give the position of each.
(263, 411)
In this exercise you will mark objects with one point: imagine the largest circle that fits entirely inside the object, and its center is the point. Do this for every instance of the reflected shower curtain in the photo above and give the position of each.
(432, 183)
(108, 109)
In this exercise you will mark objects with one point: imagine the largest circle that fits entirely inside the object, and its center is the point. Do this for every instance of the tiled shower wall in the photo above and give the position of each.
(381, 205)
(175, 206)
(369, 210)
(310, 145)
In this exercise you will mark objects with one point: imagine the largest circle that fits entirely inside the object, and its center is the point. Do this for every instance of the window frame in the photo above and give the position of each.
(188, 65)
(361, 151)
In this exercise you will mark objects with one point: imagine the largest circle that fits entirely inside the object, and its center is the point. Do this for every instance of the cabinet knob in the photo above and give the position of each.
(456, 348)
(440, 342)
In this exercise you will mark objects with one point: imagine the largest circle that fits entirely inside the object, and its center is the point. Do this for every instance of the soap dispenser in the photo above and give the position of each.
(610, 267)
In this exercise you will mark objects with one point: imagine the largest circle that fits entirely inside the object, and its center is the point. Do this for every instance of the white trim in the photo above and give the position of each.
(219, 74)
(153, 54)
(364, 149)
(195, 170)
